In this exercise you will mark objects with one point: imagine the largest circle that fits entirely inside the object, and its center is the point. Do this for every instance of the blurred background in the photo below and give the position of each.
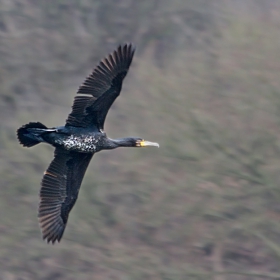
(204, 83)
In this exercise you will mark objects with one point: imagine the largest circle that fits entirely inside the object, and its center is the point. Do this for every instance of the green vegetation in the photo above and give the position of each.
(204, 84)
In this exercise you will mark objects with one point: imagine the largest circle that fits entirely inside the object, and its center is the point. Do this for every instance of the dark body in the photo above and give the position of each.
(77, 141)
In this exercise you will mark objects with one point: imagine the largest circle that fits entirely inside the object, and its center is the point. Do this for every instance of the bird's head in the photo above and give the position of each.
(129, 142)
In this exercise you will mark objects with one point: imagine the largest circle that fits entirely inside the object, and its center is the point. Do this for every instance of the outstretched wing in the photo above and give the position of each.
(104, 85)
(59, 192)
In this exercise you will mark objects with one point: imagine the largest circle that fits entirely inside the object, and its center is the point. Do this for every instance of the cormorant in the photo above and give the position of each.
(77, 141)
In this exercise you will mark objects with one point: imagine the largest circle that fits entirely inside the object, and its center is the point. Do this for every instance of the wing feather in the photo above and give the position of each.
(59, 192)
(103, 85)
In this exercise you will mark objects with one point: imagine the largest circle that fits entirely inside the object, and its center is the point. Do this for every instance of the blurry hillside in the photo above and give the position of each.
(204, 83)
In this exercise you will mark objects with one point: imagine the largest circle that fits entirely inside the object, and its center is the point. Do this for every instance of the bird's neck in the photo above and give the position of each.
(119, 142)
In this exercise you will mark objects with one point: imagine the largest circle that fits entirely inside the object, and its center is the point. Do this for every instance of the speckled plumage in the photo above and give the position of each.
(77, 141)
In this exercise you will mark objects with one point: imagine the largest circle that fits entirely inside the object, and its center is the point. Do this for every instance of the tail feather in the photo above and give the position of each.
(25, 135)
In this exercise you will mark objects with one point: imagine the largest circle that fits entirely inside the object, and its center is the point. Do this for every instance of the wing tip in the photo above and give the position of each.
(115, 62)
(51, 233)
(126, 51)
(128, 46)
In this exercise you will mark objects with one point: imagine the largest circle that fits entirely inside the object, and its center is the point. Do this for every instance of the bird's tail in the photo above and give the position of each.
(30, 134)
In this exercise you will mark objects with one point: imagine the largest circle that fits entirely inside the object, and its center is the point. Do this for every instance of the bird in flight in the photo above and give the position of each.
(75, 143)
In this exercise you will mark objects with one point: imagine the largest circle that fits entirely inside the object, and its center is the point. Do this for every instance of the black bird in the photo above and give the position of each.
(77, 141)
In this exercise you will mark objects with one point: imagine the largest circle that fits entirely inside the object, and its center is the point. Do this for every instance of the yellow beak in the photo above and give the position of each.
(148, 143)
